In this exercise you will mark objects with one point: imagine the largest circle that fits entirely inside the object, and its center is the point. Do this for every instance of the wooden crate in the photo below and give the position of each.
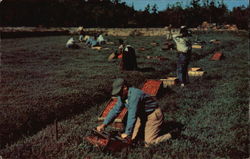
(195, 71)
(216, 56)
(161, 58)
(141, 49)
(108, 141)
(169, 81)
(97, 47)
(197, 46)
(152, 87)
(214, 41)
(118, 122)
(109, 42)
(154, 44)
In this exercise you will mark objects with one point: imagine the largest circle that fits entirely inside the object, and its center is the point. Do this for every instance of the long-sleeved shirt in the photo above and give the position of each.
(91, 42)
(137, 103)
(100, 39)
(183, 44)
(70, 43)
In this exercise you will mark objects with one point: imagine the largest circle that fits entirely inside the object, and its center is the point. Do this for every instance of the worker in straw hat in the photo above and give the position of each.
(144, 114)
(184, 48)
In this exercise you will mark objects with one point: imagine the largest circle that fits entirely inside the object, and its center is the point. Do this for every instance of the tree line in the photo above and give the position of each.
(114, 13)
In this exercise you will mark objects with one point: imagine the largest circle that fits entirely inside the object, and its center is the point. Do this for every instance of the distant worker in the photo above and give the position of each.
(92, 42)
(128, 61)
(120, 48)
(145, 117)
(81, 38)
(184, 48)
(100, 40)
(117, 53)
(81, 32)
(169, 32)
(72, 44)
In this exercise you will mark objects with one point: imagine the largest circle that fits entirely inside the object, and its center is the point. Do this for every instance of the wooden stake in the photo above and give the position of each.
(56, 128)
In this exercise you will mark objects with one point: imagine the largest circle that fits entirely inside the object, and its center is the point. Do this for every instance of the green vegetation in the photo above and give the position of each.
(42, 81)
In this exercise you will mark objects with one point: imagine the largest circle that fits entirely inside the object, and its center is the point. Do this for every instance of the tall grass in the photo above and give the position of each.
(42, 81)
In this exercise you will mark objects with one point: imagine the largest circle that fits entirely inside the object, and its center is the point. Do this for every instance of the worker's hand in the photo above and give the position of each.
(100, 127)
(124, 135)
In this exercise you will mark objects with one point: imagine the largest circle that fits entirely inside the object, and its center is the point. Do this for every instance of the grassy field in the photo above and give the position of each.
(42, 81)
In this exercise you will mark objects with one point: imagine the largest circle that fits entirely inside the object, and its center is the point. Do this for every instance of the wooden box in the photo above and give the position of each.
(97, 47)
(195, 71)
(152, 87)
(154, 44)
(216, 56)
(118, 122)
(169, 81)
(141, 49)
(214, 41)
(197, 46)
(108, 142)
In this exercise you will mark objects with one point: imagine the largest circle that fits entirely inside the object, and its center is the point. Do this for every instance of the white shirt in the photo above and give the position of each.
(183, 44)
(70, 42)
(100, 38)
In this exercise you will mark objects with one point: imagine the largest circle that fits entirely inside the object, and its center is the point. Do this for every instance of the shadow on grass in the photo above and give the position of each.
(172, 127)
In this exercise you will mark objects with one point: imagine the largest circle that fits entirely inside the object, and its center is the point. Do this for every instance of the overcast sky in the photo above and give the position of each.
(162, 4)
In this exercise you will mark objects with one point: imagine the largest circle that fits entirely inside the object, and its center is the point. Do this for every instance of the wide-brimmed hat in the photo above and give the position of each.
(117, 86)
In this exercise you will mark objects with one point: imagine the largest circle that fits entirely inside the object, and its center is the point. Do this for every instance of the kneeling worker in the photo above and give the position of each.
(143, 113)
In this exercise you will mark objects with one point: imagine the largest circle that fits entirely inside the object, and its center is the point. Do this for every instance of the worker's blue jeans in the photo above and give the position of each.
(182, 67)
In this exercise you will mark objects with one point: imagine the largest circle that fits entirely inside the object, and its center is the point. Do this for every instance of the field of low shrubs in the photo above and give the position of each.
(43, 83)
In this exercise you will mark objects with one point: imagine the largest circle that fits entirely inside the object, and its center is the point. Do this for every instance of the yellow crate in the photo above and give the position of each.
(169, 81)
(197, 46)
(195, 71)
(97, 47)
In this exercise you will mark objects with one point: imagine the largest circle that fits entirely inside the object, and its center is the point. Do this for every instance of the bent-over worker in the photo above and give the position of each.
(144, 114)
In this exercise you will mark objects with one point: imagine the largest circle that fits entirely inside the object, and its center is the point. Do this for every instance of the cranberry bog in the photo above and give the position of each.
(51, 97)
